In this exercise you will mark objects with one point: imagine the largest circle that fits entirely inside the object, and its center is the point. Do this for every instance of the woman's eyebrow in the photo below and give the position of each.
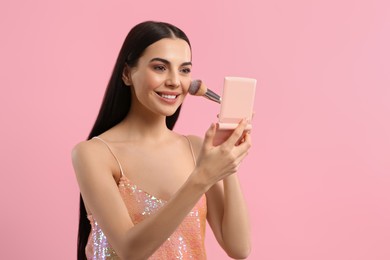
(168, 62)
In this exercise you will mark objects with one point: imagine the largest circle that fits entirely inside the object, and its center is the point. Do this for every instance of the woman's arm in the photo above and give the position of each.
(228, 215)
(94, 171)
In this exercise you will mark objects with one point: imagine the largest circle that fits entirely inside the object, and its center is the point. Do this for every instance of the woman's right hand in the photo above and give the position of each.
(217, 162)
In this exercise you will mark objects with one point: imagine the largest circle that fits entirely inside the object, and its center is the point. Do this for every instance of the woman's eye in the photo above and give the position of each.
(186, 70)
(159, 67)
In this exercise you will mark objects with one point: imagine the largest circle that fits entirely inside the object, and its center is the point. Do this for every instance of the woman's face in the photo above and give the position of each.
(162, 76)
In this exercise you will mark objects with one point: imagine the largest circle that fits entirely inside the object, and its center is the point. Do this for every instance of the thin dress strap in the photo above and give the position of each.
(109, 148)
(192, 150)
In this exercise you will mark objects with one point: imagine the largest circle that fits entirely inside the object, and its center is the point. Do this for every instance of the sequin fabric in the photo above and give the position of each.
(187, 242)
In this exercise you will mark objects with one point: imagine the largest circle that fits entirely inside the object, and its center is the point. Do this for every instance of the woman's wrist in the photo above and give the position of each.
(198, 181)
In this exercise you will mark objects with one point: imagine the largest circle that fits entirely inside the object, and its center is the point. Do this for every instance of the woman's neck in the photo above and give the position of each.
(144, 125)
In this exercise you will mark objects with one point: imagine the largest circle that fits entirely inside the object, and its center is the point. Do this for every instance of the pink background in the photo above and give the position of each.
(318, 176)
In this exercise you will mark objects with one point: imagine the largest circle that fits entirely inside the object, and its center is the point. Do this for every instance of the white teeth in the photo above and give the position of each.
(168, 96)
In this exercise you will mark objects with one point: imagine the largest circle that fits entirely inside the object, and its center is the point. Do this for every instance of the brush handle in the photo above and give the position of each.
(212, 96)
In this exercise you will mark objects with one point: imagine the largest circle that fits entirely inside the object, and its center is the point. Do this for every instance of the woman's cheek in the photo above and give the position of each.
(186, 84)
(155, 80)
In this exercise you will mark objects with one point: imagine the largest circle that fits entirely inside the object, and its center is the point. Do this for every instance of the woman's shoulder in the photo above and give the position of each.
(196, 142)
(88, 150)
(92, 158)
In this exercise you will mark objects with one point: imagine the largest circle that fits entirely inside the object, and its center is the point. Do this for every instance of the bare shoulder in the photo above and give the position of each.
(196, 142)
(91, 153)
(85, 149)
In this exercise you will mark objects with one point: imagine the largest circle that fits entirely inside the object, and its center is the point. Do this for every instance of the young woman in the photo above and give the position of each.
(147, 191)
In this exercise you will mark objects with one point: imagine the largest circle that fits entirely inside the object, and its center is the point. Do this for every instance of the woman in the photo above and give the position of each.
(146, 191)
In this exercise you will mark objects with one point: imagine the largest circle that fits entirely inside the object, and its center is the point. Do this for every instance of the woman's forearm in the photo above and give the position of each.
(235, 223)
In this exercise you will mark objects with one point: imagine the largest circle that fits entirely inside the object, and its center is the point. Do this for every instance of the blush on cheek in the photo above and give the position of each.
(186, 85)
(153, 80)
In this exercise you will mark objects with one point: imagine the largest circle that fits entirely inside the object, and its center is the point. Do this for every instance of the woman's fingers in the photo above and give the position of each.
(237, 133)
(243, 147)
(218, 162)
(247, 139)
(209, 136)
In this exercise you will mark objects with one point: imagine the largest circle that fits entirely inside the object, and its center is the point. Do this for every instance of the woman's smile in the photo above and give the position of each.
(168, 97)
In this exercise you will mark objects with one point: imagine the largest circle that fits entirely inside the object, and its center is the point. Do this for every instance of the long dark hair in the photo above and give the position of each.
(117, 98)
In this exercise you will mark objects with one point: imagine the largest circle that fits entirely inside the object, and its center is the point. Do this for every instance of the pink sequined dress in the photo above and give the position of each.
(187, 242)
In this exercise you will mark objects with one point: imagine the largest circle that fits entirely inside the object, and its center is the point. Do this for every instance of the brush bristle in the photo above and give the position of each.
(194, 86)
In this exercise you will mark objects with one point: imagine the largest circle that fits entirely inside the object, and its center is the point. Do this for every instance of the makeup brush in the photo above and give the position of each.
(198, 88)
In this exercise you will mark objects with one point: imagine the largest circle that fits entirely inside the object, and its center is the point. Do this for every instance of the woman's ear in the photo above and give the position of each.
(126, 76)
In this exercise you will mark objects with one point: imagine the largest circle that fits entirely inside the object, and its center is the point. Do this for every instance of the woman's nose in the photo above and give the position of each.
(173, 80)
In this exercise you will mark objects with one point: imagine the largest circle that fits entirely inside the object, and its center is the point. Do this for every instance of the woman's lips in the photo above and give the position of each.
(169, 97)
